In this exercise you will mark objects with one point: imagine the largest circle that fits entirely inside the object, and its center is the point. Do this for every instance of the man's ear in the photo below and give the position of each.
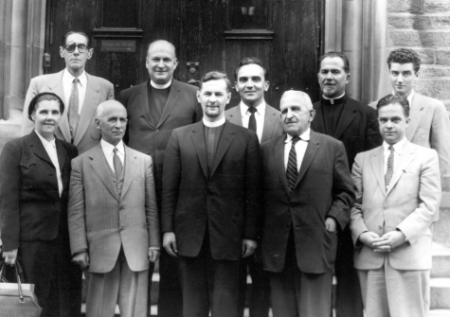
(90, 52)
(61, 51)
(266, 85)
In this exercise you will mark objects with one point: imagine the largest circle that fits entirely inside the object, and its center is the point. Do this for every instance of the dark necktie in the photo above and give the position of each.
(73, 115)
(390, 167)
(292, 171)
(117, 164)
(252, 119)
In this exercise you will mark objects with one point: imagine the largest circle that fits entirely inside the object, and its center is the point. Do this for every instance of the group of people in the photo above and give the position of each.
(289, 197)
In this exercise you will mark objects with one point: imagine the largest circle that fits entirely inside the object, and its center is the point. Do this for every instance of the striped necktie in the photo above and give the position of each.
(117, 164)
(292, 171)
(390, 167)
(73, 115)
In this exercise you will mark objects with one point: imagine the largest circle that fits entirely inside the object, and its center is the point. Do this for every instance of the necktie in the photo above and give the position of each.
(291, 171)
(390, 167)
(252, 120)
(117, 163)
(74, 100)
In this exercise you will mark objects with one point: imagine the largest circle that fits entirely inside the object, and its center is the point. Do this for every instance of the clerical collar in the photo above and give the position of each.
(214, 124)
(156, 86)
(333, 101)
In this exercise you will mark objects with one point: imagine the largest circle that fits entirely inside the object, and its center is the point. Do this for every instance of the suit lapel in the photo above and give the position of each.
(130, 168)
(234, 115)
(224, 143)
(416, 112)
(269, 124)
(171, 101)
(198, 138)
(56, 86)
(91, 101)
(143, 102)
(408, 154)
(38, 148)
(62, 153)
(279, 161)
(310, 153)
(99, 166)
(377, 162)
(317, 124)
(347, 116)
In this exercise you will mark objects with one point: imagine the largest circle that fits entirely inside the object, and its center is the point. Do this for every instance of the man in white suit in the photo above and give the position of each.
(429, 124)
(81, 93)
(398, 193)
(113, 219)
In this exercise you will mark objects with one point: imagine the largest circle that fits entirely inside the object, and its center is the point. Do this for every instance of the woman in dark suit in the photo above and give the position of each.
(34, 183)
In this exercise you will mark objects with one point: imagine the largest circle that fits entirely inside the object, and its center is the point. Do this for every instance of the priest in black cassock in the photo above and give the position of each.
(356, 125)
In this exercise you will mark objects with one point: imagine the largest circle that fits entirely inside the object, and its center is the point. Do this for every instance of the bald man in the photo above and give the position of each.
(155, 108)
(113, 219)
(307, 196)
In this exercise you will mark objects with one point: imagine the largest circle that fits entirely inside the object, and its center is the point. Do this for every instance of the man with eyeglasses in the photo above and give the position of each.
(81, 93)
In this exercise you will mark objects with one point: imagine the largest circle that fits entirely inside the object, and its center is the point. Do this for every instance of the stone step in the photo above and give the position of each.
(441, 261)
(440, 293)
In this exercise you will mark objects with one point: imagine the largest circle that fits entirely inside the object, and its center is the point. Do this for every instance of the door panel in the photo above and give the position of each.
(210, 34)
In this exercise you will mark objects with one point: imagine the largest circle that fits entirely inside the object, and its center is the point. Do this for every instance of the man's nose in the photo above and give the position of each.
(161, 63)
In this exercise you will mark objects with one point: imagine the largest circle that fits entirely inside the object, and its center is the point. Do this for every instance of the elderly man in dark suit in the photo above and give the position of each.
(211, 202)
(155, 108)
(306, 200)
(354, 124)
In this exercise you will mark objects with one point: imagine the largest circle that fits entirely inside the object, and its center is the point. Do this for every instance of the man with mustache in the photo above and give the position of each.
(354, 124)
(255, 114)
(80, 91)
(155, 108)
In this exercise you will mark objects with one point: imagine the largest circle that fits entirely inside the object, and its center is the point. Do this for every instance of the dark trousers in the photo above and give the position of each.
(209, 284)
(348, 290)
(259, 302)
(299, 294)
(170, 299)
(47, 264)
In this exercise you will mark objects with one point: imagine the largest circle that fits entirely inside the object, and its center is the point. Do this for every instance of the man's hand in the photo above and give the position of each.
(82, 259)
(10, 257)
(330, 224)
(368, 238)
(248, 247)
(153, 255)
(390, 240)
(170, 243)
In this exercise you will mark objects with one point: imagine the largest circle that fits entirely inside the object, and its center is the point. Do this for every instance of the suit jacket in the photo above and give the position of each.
(97, 91)
(429, 127)
(357, 128)
(273, 126)
(409, 205)
(181, 109)
(30, 206)
(102, 222)
(323, 189)
(225, 203)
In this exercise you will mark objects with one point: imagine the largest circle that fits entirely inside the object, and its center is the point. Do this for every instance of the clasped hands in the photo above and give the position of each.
(385, 243)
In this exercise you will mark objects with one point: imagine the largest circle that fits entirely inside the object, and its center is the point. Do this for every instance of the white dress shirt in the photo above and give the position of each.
(108, 151)
(300, 148)
(259, 116)
(398, 147)
(50, 148)
(67, 81)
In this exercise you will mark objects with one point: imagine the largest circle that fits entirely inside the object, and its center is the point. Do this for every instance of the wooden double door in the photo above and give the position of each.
(208, 35)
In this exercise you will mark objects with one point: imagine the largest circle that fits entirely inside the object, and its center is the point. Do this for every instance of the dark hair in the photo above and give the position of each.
(64, 39)
(248, 61)
(394, 100)
(149, 44)
(215, 75)
(336, 54)
(404, 56)
(44, 96)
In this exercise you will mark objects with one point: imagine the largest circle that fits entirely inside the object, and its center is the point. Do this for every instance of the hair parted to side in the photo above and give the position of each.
(336, 54)
(394, 100)
(249, 61)
(41, 97)
(215, 75)
(404, 56)
(64, 39)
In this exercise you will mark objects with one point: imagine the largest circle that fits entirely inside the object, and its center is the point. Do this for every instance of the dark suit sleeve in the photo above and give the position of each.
(373, 136)
(198, 113)
(123, 98)
(343, 194)
(10, 184)
(252, 189)
(151, 210)
(171, 183)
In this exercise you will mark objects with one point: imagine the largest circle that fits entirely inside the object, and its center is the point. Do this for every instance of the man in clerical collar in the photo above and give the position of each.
(210, 202)
(398, 194)
(356, 125)
(155, 108)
